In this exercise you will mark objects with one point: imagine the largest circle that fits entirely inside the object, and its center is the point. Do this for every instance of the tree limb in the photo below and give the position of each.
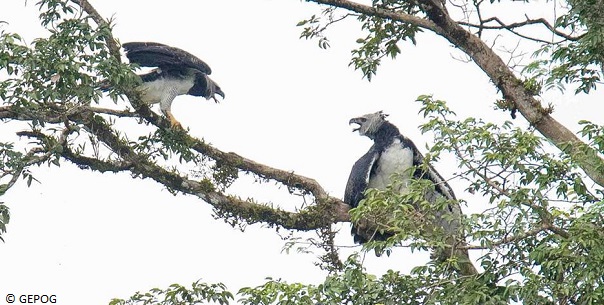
(328, 209)
(512, 26)
(544, 226)
(381, 12)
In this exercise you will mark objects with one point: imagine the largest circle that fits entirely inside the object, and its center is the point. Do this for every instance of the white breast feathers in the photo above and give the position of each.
(396, 159)
(159, 89)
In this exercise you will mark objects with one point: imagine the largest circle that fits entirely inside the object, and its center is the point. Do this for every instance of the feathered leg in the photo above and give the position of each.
(173, 122)
(165, 106)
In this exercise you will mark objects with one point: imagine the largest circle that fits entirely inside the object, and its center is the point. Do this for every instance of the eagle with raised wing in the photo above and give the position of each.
(393, 154)
(177, 72)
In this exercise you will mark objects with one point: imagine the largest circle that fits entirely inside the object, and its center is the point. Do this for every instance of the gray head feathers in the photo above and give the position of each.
(369, 123)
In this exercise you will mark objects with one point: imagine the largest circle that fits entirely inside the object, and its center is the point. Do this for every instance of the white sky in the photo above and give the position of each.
(89, 237)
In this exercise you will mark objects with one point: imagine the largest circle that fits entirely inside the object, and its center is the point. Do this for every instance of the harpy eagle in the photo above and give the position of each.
(390, 155)
(178, 72)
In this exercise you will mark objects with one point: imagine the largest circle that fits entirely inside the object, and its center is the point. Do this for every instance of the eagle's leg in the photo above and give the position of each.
(165, 106)
(173, 122)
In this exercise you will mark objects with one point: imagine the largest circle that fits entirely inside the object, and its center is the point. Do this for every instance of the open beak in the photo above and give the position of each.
(219, 92)
(357, 121)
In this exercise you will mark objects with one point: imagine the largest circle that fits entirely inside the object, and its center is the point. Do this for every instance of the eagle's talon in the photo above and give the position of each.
(175, 125)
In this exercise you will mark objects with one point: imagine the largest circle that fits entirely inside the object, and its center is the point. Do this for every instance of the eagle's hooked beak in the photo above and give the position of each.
(358, 121)
(219, 92)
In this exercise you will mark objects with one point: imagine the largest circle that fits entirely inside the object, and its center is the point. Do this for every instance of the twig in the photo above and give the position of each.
(512, 26)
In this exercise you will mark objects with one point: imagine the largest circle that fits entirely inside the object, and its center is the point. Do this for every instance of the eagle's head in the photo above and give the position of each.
(369, 124)
(212, 89)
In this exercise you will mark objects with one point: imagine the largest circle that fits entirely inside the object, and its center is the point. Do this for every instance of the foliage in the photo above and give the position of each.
(350, 285)
(64, 68)
(540, 221)
(199, 293)
(538, 229)
(579, 61)
(4, 219)
(381, 40)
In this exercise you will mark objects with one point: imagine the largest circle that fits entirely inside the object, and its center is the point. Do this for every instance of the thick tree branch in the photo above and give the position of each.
(500, 74)
(308, 219)
(381, 12)
(338, 207)
(328, 209)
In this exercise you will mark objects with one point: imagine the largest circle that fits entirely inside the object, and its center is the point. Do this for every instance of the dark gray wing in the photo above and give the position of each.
(359, 177)
(440, 184)
(450, 218)
(361, 172)
(153, 54)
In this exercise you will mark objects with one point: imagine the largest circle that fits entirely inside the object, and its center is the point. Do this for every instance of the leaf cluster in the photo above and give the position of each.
(175, 294)
(383, 37)
(541, 220)
(579, 62)
(350, 285)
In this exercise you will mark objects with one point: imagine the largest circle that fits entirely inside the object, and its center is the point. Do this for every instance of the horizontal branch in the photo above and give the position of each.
(118, 113)
(512, 26)
(514, 238)
(229, 206)
(338, 209)
(327, 209)
(381, 12)
(58, 116)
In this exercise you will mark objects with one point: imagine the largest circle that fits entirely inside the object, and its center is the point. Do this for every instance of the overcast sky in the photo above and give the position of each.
(89, 237)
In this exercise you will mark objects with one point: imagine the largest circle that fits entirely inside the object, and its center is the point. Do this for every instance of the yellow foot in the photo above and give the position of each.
(173, 122)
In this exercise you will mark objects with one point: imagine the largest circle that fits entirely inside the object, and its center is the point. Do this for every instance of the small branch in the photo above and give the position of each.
(31, 158)
(510, 239)
(119, 113)
(333, 21)
(510, 27)
(479, 13)
(381, 12)
(544, 226)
